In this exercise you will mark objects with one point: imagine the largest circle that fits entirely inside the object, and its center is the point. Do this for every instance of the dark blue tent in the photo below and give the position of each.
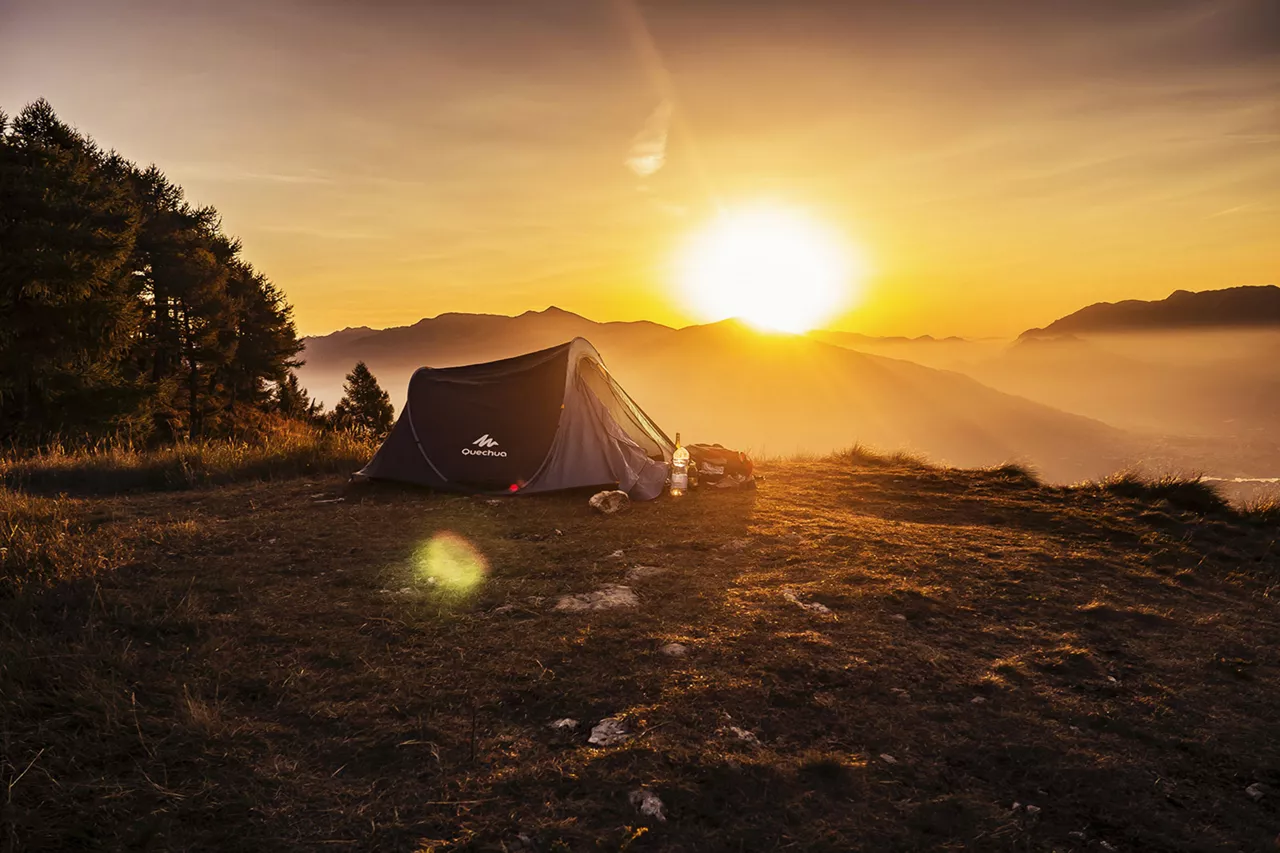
(547, 420)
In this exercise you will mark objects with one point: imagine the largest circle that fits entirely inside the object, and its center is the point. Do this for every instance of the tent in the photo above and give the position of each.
(547, 420)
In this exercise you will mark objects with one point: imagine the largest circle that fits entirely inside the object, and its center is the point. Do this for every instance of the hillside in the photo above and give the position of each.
(876, 656)
(951, 353)
(452, 339)
(1191, 383)
(772, 393)
(1231, 307)
(784, 394)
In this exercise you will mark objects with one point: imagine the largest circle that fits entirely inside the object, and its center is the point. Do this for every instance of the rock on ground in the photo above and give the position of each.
(609, 732)
(639, 573)
(611, 502)
(811, 606)
(606, 598)
(675, 650)
(648, 804)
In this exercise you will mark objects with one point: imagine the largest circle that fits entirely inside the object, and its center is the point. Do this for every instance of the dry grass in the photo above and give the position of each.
(1187, 493)
(866, 456)
(114, 467)
(1264, 511)
(270, 671)
(43, 540)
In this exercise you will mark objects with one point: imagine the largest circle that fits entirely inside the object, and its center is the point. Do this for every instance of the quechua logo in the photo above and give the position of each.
(485, 447)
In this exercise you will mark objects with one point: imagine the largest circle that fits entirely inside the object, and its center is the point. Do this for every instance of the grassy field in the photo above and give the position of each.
(995, 665)
(119, 466)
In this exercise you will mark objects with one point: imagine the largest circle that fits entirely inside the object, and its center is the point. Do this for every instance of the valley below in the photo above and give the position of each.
(1075, 406)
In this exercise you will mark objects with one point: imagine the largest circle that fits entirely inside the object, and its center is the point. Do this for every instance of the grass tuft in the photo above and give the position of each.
(1188, 493)
(1263, 511)
(1016, 472)
(865, 456)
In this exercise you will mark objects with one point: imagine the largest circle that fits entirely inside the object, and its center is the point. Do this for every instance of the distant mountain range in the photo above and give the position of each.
(725, 382)
(1254, 306)
(1082, 397)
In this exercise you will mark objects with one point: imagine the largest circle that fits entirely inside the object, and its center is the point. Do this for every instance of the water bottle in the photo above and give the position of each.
(679, 470)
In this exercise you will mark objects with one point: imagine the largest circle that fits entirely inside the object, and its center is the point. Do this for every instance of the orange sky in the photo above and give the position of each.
(1000, 162)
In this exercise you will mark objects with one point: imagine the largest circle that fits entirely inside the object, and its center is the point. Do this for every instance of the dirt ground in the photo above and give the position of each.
(994, 665)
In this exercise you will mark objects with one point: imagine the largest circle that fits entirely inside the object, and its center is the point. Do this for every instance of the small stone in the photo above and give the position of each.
(888, 759)
(503, 608)
(607, 597)
(617, 555)
(977, 700)
(567, 724)
(674, 650)
(610, 502)
(811, 606)
(898, 617)
(1033, 811)
(639, 573)
(736, 545)
(1105, 846)
(745, 735)
(609, 732)
(1077, 836)
(1256, 791)
(900, 692)
(648, 804)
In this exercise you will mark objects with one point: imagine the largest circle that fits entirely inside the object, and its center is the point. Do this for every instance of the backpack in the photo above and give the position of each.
(716, 465)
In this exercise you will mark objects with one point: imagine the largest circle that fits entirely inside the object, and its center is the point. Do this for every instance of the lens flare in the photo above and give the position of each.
(450, 564)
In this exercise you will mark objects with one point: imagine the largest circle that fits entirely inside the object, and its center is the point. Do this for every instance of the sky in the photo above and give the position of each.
(998, 163)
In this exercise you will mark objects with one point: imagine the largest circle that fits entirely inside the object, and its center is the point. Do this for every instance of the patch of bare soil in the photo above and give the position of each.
(880, 658)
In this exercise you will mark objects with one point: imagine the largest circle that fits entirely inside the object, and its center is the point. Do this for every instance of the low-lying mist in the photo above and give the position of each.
(1074, 407)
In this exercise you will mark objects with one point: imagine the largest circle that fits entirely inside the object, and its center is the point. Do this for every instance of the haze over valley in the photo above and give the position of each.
(1076, 400)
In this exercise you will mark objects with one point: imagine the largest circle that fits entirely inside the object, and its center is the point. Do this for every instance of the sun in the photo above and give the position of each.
(772, 266)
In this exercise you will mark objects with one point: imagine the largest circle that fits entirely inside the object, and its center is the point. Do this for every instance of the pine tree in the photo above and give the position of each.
(293, 401)
(364, 406)
(68, 223)
(266, 341)
(122, 306)
(184, 263)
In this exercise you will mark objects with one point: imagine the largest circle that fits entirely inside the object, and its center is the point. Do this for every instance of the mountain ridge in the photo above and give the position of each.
(771, 392)
(1243, 306)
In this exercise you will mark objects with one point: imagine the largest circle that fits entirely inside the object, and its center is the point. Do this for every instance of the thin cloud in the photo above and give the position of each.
(229, 172)
(649, 147)
(670, 208)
